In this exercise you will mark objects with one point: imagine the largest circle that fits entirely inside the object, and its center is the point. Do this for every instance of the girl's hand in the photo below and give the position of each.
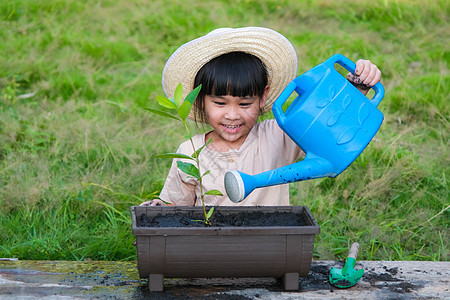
(154, 202)
(366, 75)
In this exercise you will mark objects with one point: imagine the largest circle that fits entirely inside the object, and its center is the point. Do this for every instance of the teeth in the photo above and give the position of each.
(231, 127)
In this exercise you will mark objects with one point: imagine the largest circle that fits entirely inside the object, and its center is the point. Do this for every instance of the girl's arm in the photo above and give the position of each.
(366, 75)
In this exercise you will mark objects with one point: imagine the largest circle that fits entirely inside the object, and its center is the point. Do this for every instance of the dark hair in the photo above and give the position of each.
(238, 74)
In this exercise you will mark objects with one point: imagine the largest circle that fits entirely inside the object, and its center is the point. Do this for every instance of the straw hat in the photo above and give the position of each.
(272, 48)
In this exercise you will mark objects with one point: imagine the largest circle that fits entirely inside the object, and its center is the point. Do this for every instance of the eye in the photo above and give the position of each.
(244, 104)
(219, 103)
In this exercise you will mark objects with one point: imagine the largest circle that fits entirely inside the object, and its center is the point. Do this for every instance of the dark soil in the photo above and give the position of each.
(317, 279)
(247, 219)
(388, 280)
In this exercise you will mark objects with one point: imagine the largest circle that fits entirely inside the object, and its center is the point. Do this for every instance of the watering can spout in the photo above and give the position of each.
(239, 185)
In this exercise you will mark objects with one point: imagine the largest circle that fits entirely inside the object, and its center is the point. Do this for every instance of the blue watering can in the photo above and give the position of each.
(330, 120)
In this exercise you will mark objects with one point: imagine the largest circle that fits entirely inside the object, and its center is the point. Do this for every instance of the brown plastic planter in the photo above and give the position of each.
(208, 252)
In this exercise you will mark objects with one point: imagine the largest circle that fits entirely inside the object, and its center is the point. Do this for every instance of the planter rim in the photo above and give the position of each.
(242, 230)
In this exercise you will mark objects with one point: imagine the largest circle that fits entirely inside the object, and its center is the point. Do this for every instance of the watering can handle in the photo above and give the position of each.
(350, 66)
(284, 96)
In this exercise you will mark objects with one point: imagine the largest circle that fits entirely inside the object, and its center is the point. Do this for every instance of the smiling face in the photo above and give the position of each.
(232, 118)
(234, 89)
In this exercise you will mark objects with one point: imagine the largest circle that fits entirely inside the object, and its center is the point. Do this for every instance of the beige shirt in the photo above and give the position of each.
(266, 147)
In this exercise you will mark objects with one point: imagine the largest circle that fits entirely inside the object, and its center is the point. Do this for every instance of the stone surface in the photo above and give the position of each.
(119, 280)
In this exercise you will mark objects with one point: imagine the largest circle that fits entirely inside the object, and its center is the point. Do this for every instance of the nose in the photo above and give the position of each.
(232, 113)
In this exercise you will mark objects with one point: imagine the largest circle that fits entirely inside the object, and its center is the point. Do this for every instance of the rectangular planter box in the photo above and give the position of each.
(206, 252)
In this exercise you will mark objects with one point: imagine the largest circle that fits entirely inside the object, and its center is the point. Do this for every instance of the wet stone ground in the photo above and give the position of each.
(119, 280)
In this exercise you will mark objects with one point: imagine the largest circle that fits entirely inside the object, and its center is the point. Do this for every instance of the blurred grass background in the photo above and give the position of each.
(76, 145)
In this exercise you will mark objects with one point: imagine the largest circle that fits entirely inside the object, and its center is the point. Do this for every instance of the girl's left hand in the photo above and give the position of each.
(156, 202)
(366, 75)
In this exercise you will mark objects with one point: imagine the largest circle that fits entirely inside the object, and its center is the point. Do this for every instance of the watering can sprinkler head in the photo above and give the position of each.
(234, 186)
(330, 120)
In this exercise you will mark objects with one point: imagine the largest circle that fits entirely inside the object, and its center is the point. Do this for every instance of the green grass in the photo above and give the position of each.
(77, 146)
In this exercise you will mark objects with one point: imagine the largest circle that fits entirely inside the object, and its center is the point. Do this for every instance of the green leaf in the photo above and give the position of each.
(186, 106)
(197, 153)
(178, 95)
(206, 173)
(162, 113)
(193, 94)
(167, 103)
(214, 192)
(189, 169)
(210, 212)
(203, 221)
(173, 155)
(184, 110)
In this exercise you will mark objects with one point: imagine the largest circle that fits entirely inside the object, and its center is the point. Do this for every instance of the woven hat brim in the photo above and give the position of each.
(272, 48)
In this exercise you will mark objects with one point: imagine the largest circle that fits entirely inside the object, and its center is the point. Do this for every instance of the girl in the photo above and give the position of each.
(242, 72)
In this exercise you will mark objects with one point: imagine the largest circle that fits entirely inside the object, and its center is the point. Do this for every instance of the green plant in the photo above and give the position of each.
(183, 109)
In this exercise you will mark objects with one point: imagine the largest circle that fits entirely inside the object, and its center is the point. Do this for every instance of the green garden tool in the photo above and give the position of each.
(348, 276)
